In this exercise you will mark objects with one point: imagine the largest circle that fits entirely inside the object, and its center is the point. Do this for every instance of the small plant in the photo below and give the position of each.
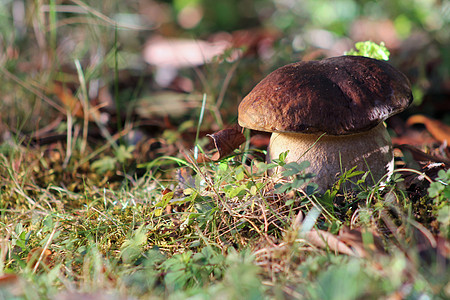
(108, 163)
(370, 49)
(440, 191)
(294, 171)
(188, 269)
(132, 247)
(299, 178)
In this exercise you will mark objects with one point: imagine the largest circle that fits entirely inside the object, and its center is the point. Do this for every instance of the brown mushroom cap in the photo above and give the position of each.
(336, 96)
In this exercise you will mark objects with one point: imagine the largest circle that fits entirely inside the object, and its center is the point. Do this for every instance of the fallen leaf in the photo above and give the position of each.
(202, 158)
(254, 41)
(260, 140)
(35, 254)
(185, 179)
(181, 53)
(414, 137)
(11, 286)
(8, 279)
(413, 181)
(166, 191)
(421, 156)
(326, 240)
(298, 220)
(354, 238)
(74, 107)
(438, 130)
(226, 141)
(166, 103)
(72, 104)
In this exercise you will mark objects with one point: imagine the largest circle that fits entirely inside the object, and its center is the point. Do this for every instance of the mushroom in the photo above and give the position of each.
(330, 113)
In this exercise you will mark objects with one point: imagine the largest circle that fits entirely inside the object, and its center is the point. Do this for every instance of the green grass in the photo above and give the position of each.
(87, 210)
(220, 232)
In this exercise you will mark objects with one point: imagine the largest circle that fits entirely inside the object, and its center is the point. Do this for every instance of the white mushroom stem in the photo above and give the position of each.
(330, 156)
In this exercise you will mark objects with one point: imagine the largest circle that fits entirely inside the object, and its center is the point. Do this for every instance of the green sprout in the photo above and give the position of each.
(370, 49)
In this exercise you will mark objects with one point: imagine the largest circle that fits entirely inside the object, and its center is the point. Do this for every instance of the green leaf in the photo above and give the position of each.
(154, 257)
(370, 49)
(240, 175)
(311, 188)
(262, 167)
(435, 189)
(282, 188)
(290, 172)
(124, 153)
(104, 164)
(293, 168)
(132, 247)
(443, 217)
(304, 165)
(362, 179)
(238, 191)
(297, 183)
(444, 176)
(290, 201)
(281, 161)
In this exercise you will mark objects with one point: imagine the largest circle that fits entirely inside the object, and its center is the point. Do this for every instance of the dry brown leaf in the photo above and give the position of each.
(226, 141)
(326, 240)
(184, 178)
(414, 137)
(419, 155)
(8, 279)
(166, 191)
(72, 104)
(254, 41)
(35, 254)
(438, 130)
(354, 238)
(203, 158)
(260, 140)
(11, 285)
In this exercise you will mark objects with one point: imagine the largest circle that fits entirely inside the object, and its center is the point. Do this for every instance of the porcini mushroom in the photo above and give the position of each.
(330, 113)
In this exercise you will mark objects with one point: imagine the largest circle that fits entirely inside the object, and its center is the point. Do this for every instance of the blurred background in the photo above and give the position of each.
(153, 63)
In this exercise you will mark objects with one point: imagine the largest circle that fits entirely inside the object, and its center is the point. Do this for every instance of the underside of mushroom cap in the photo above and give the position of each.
(337, 96)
